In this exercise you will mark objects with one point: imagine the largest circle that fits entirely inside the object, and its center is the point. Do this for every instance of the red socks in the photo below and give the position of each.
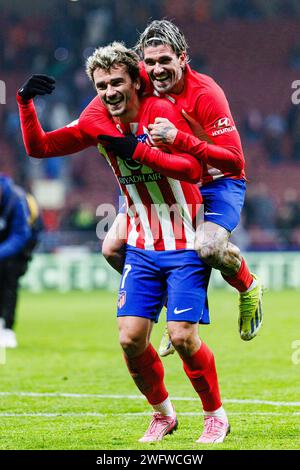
(148, 373)
(242, 280)
(201, 370)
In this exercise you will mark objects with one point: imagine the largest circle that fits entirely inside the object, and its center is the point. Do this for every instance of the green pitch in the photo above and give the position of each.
(68, 344)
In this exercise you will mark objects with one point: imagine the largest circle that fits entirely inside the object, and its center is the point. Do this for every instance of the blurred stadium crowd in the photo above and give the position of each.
(250, 47)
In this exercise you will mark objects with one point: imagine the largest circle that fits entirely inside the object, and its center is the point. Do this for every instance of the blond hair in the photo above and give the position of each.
(112, 55)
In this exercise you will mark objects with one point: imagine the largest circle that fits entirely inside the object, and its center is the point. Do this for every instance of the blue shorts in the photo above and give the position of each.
(149, 276)
(223, 200)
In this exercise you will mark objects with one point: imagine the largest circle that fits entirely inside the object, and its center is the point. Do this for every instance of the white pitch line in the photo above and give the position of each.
(130, 415)
(262, 402)
(141, 397)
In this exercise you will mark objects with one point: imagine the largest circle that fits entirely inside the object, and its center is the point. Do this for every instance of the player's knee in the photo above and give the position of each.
(127, 341)
(182, 340)
(131, 343)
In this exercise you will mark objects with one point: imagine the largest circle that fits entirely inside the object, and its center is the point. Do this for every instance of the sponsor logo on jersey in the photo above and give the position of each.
(223, 125)
(223, 131)
(141, 178)
(132, 165)
(223, 122)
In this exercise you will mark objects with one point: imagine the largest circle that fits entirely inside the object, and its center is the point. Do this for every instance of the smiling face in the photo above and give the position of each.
(117, 91)
(165, 68)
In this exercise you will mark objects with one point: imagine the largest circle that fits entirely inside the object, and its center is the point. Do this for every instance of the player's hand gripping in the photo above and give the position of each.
(162, 131)
(123, 147)
(37, 85)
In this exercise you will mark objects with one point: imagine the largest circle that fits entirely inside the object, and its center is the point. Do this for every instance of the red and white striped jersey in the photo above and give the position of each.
(161, 211)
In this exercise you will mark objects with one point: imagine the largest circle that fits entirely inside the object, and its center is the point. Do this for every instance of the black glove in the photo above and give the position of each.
(123, 147)
(37, 85)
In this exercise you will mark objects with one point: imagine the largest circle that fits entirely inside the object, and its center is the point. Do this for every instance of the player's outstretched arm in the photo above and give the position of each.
(38, 143)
